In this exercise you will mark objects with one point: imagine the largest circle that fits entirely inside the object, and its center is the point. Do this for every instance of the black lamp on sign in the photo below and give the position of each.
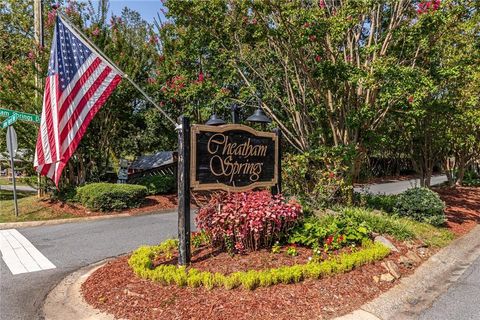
(259, 116)
(215, 120)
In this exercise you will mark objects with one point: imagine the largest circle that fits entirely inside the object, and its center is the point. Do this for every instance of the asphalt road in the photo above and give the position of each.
(399, 186)
(71, 246)
(461, 301)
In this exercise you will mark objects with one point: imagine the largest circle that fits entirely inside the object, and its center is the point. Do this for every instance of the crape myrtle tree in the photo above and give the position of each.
(329, 72)
(441, 126)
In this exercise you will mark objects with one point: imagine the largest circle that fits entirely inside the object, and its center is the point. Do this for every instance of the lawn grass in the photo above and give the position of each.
(4, 181)
(28, 206)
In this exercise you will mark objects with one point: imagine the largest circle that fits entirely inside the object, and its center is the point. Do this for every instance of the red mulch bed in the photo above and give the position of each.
(115, 289)
(151, 204)
(463, 208)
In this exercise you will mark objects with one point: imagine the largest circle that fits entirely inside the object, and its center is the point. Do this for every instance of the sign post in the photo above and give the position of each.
(12, 150)
(229, 157)
(183, 179)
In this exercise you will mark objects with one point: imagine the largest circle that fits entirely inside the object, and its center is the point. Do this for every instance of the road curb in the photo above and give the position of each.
(416, 293)
(27, 224)
(66, 301)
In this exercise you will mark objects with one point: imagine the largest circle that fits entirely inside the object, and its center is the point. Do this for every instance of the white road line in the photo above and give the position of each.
(20, 255)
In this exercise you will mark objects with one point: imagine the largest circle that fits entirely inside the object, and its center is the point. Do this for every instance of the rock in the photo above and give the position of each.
(132, 294)
(406, 262)
(422, 251)
(387, 277)
(386, 242)
(393, 269)
(376, 279)
(413, 256)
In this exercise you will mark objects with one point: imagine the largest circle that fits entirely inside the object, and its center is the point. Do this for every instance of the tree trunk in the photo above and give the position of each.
(460, 171)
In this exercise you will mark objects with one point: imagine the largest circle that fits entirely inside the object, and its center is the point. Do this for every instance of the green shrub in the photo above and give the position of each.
(330, 232)
(318, 177)
(141, 263)
(110, 196)
(421, 204)
(159, 184)
(384, 202)
(471, 179)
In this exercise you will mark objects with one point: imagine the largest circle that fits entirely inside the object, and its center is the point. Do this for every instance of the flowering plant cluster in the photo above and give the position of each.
(247, 221)
(428, 6)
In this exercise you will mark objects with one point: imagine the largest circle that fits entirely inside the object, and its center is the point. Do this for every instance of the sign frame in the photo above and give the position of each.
(197, 186)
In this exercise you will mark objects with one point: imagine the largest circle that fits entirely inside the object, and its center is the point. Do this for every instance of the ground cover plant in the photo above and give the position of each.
(142, 259)
(110, 196)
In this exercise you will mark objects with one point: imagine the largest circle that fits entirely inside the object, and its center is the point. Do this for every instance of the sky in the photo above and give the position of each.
(148, 9)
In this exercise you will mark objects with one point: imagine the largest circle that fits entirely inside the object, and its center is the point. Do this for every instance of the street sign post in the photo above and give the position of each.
(12, 150)
(23, 116)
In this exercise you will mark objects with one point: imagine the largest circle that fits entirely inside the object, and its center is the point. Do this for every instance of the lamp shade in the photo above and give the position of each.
(259, 117)
(215, 120)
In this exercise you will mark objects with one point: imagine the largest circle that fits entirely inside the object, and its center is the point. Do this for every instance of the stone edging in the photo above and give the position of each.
(416, 293)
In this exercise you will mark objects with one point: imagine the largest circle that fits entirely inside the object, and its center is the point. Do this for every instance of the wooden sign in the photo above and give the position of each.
(232, 158)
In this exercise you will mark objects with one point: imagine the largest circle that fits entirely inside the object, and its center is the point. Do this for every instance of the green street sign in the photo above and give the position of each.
(9, 121)
(20, 115)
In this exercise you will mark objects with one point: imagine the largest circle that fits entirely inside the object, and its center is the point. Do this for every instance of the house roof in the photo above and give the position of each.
(156, 160)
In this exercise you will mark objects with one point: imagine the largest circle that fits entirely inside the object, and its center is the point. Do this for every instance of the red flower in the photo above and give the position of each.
(410, 99)
(321, 4)
(318, 58)
(306, 25)
(329, 240)
(312, 37)
(200, 77)
(331, 175)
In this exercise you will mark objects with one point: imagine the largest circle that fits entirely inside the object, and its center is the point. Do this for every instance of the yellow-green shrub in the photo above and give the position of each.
(141, 263)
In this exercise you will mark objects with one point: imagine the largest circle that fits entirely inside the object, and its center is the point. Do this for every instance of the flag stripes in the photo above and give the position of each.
(78, 84)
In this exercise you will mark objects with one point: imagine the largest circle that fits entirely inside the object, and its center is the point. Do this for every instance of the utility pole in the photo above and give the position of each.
(38, 25)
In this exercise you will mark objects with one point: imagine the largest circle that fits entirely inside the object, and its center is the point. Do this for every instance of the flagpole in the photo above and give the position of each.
(114, 66)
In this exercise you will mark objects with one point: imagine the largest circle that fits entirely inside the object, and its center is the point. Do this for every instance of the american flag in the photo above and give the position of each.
(78, 83)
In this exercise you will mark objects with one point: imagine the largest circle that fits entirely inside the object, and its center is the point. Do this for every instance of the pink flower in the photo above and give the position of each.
(31, 55)
(151, 80)
(321, 4)
(96, 31)
(200, 77)
(312, 37)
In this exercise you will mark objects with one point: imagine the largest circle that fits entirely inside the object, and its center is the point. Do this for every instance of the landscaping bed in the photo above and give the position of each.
(132, 289)
(150, 204)
(115, 289)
